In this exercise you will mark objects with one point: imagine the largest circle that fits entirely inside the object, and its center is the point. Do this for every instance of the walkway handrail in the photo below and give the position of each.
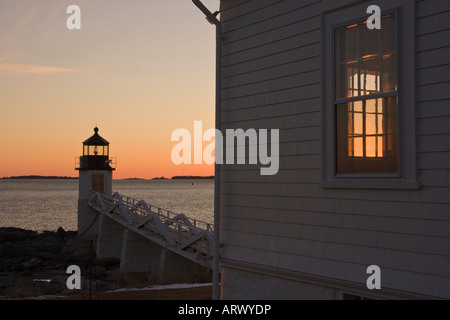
(189, 237)
(168, 216)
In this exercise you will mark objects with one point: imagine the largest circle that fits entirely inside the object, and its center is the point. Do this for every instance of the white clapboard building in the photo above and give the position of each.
(364, 149)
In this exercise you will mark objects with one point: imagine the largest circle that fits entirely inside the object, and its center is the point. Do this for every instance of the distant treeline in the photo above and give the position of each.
(39, 177)
(192, 177)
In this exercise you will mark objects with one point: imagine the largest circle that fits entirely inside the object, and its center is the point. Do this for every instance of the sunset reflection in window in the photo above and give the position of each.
(367, 98)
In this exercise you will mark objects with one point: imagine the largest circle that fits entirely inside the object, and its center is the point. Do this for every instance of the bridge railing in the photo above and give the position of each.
(169, 216)
(191, 237)
(140, 209)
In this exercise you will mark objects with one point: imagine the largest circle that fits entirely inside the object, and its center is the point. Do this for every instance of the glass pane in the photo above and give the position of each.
(351, 147)
(380, 125)
(358, 123)
(392, 115)
(371, 106)
(389, 31)
(390, 73)
(369, 41)
(380, 146)
(380, 106)
(358, 106)
(97, 151)
(371, 147)
(391, 118)
(347, 80)
(346, 43)
(343, 143)
(358, 147)
(371, 123)
(370, 75)
(374, 116)
(350, 122)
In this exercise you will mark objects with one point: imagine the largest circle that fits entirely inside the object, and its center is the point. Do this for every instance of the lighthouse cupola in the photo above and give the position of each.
(95, 154)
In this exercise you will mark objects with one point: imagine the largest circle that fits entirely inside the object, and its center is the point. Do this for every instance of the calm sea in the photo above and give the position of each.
(49, 204)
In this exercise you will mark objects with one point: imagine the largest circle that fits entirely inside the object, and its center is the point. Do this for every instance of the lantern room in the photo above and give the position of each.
(95, 154)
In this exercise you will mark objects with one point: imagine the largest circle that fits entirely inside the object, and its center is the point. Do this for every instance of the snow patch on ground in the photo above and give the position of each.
(166, 287)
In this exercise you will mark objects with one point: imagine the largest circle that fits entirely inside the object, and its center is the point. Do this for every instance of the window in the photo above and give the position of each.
(369, 132)
(366, 98)
(353, 297)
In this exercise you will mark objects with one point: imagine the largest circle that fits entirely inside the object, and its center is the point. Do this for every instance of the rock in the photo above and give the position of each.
(44, 255)
(32, 263)
(61, 233)
(34, 256)
(26, 272)
(14, 235)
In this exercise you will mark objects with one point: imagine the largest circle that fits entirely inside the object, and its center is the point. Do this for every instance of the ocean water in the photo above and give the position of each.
(49, 204)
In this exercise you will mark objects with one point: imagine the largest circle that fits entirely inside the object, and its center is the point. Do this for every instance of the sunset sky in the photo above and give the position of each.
(137, 69)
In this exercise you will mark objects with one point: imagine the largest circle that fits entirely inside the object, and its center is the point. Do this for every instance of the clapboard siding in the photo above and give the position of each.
(434, 160)
(296, 31)
(303, 190)
(433, 58)
(272, 78)
(434, 143)
(263, 61)
(434, 75)
(433, 109)
(372, 243)
(273, 85)
(266, 13)
(294, 93)
(366, 222)
(272, 72)
(434, 126)
(416, 210)
(283, 121)
(432, 7)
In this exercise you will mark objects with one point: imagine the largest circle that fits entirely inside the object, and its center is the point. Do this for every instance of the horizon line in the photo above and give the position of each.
(33, 176)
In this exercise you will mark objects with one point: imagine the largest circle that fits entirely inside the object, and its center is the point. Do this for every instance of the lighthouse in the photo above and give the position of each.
(95, 175)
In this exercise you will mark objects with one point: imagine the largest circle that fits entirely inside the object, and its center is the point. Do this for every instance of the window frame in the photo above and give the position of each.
(338, 17)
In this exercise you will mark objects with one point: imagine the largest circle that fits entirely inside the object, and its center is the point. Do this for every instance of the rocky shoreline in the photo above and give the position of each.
(35, 263)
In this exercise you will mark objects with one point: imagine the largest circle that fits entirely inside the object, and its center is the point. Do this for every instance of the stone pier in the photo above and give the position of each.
(110, 237)
(142, 255)
(138, 254)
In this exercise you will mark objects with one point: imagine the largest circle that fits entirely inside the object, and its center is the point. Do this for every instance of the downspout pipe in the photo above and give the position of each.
(212, 18)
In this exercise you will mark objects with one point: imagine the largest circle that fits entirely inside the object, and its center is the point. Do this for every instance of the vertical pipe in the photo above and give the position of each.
(213, 19)
(217, 166)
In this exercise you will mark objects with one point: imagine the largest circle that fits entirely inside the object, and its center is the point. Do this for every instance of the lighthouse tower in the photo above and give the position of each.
(95, 174)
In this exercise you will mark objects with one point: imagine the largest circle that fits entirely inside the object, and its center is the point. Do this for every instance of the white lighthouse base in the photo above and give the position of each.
(88, 220)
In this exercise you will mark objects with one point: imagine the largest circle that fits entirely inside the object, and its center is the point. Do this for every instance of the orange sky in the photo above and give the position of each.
(138, 72)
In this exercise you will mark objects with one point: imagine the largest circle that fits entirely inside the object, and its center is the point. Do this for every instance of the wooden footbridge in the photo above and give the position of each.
(190, 238)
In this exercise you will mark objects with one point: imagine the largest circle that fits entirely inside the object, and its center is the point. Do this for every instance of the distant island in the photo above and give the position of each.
(39, 177)
(175, 178)
(193, 177)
